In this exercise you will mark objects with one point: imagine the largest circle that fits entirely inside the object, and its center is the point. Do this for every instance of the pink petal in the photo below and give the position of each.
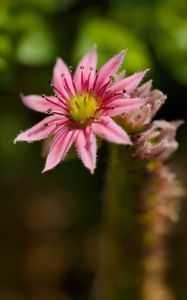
(86, 148)
(144, 90)
(38, 103)
(109, 130)
(59, 147)
(89, 62)
(58, 80)
(120, 76)
(110, 68)
(129, 83)
(38, 132)
(121, 106)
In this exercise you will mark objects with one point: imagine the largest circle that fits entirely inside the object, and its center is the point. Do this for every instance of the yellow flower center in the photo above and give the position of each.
(82, 107)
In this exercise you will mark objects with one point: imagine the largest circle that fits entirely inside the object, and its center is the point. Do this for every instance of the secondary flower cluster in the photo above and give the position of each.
(150, 139)
(84, 105)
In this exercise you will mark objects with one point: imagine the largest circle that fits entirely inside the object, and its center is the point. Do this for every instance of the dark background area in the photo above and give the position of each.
(49, 223)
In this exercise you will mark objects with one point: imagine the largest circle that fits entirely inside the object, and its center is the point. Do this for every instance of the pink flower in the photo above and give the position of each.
(83, 107)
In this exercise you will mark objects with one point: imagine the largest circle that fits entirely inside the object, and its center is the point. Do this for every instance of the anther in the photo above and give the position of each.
(111, 78)
(46, 124)
(91, 68)
(49, 110)
(123, 90)
(62, 75)
(70, 69)
(82, 67)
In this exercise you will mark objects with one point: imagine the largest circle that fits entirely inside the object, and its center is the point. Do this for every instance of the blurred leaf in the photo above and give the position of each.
(24, 21)
(35, 48)
(112, 38)
(3, 64)
(171, 42)
(5, 45)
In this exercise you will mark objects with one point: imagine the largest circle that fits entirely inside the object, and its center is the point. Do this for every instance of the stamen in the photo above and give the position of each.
(112, 79)
(71, 69)
(51, 101)
(95, 81)
(73, 81)
(103, 88)
(58, 91)
(57, 122)
(49, 110)
(69, 91)
(112, 97)
(82, 80)
(104, 108)
(62, 102)
(88, 82)
(59, 113)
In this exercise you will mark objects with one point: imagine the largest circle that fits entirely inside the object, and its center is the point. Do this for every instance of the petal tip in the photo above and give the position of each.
(92, 170)
(125, 51)
(94, 46)
(15, 140)
(44, 170)
(130, 143)
(146, 70)
(21, 95)
(18, 138)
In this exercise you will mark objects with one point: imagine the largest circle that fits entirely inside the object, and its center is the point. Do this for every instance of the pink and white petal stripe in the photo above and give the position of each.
(85, 71)
(42, 103)
(110, 68)
(59, 147)
(129, 84)
(38, 132)
(86, 148)
(110, 131)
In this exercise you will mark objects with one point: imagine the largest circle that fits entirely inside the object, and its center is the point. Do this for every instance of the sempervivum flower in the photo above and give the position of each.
(83, 106)
(158, 141)
(137, 119)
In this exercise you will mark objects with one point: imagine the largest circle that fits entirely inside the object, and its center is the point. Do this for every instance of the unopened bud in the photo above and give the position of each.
(158, 141)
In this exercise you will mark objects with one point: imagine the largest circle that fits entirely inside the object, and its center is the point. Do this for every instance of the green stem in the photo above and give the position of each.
(119, 266)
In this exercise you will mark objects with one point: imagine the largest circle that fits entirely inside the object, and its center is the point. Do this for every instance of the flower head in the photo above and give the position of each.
(158, 141)
(137, 119)
(82, 107)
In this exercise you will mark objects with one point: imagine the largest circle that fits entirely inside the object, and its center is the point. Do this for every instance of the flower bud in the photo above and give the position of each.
(135, 120)
(158, 141)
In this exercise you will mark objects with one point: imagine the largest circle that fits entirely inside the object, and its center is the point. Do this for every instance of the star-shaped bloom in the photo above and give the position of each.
(83, 107)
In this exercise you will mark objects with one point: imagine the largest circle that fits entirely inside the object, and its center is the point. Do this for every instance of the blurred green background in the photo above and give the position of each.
(49, 223)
